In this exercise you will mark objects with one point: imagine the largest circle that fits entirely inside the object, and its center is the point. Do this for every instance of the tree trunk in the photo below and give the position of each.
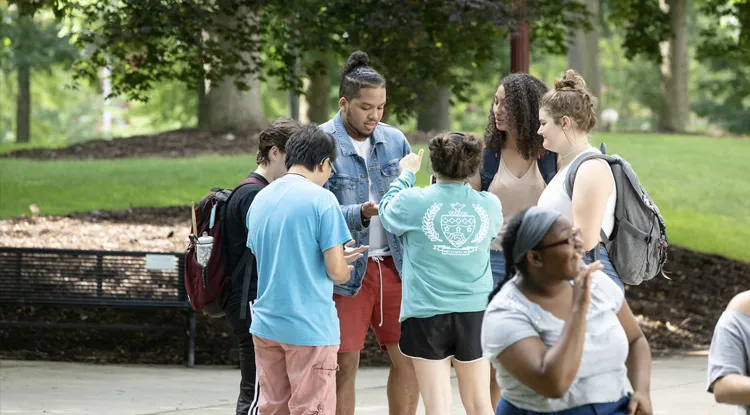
(435, 113)
(23, 105)
(201, 90)
(675, 102)
(224, 106)
(316, 95)
(520, 49)
(583, 52)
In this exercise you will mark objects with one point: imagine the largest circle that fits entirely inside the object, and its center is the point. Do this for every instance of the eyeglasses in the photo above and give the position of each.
(333, 169)
(571, 240)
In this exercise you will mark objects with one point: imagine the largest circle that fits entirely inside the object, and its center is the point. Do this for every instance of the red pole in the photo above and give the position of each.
(519, 44)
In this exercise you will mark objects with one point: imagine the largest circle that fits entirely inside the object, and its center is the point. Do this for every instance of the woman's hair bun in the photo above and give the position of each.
(570, 80)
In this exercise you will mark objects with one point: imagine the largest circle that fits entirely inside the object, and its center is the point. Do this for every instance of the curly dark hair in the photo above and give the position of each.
(455, 155)
(523, 94)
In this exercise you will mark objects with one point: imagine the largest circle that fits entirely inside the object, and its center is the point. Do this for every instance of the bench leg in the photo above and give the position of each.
(190, 353)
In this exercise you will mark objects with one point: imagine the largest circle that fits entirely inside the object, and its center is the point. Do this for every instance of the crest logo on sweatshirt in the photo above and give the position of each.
(457, 227)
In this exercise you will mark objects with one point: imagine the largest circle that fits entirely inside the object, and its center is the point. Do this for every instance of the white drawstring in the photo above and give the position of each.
(377, 260)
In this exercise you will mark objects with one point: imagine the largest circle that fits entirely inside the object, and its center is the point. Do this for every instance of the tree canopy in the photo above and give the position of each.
(417, 45)
(30, 43)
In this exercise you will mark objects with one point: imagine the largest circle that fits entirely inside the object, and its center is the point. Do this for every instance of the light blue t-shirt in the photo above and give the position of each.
(446, 230)
(291, 223)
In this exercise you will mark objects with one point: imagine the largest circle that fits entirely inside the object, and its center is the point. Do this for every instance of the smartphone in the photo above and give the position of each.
(433, 180)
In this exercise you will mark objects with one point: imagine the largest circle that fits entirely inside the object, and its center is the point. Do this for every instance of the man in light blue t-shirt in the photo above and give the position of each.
(297, 232)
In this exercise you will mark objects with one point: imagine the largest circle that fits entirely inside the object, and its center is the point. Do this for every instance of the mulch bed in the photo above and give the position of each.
(177, 143)
(676, 315)
(138, 229)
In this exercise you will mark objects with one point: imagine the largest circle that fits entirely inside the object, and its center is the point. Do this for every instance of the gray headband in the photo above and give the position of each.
(534, 225)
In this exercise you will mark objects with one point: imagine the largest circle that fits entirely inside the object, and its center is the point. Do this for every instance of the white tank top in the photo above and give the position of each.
(555, 196)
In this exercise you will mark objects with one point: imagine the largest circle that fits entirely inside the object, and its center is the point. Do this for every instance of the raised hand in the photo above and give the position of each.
(582, 286)
(352, 254)
(369, 210)
(412, 162)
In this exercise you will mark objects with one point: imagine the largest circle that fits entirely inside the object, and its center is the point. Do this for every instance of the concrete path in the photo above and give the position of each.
(678, 387)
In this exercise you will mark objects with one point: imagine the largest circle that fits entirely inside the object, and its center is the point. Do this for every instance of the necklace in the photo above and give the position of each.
(297, 174)
(564, 158)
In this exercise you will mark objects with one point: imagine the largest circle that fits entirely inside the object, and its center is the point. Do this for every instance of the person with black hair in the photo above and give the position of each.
(271, 166)
(516, 167)
(368, 161)
(297, 233)
(559, 333)
(446, 229)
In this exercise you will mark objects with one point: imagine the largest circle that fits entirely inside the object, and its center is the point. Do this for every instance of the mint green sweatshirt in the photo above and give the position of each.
(446, 230)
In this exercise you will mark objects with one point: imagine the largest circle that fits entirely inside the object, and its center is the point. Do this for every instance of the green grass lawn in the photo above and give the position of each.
(698, 182)
(8, 147)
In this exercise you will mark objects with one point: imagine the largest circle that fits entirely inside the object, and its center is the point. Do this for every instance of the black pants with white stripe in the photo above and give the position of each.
(247, 402)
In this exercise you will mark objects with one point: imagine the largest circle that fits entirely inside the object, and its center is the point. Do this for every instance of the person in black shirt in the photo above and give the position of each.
(271, 165)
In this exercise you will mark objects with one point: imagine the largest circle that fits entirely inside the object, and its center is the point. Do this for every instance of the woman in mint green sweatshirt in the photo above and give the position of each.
(446, 230)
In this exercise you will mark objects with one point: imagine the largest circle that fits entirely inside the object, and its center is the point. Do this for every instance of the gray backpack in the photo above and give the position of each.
(638, 243)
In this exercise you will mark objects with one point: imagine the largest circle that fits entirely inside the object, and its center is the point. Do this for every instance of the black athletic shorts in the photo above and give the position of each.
(443, 336)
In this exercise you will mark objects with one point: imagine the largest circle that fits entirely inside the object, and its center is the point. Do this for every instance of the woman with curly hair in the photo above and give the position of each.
(446, 229)
(516, 167)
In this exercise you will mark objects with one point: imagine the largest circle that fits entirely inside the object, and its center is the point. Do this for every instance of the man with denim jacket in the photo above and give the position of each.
(368, 161)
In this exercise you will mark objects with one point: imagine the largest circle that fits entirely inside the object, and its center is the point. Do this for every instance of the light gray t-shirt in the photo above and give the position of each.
(602, 376)
(730, 350)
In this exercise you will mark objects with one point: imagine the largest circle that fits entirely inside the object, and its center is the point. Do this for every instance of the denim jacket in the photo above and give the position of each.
(351, 186)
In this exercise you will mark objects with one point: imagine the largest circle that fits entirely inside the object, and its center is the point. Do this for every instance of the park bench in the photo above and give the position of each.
(77, 278)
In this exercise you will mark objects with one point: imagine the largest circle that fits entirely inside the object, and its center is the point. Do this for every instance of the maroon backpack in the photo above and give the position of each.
(205, 285)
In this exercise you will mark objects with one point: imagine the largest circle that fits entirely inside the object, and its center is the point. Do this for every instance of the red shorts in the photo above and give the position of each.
(377, 304)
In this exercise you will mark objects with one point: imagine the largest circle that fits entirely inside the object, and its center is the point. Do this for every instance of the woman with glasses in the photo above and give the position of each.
(446, 229)
(559, 333)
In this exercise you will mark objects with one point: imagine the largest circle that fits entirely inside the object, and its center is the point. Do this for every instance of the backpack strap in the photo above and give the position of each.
(547, 165)
(247, 262)
(570, 180)
(249, 180)
(491, 163)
